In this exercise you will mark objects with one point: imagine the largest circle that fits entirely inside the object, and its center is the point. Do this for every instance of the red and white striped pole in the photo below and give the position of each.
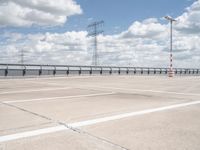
(171, 70)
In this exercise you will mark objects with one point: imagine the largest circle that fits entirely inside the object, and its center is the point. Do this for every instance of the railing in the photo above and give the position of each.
(39, 70)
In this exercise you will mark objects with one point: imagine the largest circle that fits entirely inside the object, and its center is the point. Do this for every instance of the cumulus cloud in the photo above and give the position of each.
(148, 28)
(37, 12)
(144, 43)
(49, 48)
(189, 22)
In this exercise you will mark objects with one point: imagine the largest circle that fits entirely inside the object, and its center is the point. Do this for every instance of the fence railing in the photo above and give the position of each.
(39, 70)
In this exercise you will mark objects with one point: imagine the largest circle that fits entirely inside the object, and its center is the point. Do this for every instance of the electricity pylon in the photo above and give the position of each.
(93, 31)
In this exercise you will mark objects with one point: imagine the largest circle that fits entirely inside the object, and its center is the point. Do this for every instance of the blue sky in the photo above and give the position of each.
(122, 13)
(117, 14)
(135, 32)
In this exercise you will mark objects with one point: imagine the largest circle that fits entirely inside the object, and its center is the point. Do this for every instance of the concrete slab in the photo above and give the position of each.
(46, 93)
(40, 103)
(16, 85)
(177, 129)
(85, 108)
(66, 140)
(13, 120)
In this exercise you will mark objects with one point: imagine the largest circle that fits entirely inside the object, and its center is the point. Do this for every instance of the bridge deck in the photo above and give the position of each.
(100, 112)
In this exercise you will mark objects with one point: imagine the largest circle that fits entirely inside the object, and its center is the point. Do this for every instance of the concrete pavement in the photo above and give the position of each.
(93, 112)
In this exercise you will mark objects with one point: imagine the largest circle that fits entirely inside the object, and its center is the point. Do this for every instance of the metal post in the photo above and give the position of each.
(171, 20)
(127, 71)
(90, 70)
(95, 59)
(67, 71)
(79, 72)
(135, 71)
(40, 71)
(54, 71)
(110, 71)
(24, 71)
(171, 71)
(6, 71)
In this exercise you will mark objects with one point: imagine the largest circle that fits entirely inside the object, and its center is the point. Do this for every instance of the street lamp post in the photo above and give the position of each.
(171, 20)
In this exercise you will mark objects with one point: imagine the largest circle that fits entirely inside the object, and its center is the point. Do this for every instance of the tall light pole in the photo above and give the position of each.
(171, 20)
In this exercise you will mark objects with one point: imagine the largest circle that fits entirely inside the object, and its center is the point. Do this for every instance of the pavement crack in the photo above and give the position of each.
(27, 111)
(25, 127)
(79, 131)
(104, 140)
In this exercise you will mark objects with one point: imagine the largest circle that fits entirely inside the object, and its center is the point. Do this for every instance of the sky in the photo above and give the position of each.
(135, 33)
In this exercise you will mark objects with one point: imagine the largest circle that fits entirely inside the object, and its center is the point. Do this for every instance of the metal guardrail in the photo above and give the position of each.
(39, 70)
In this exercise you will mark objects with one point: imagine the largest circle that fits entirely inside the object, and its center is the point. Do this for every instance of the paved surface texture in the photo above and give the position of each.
(100, 113)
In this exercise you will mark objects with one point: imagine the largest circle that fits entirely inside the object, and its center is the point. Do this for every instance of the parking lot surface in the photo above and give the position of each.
(100, 113)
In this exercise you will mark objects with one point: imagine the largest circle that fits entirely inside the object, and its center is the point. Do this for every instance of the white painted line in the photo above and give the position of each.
(44, 83)
(141, 90)
(126, 115)
(35, 90)
(168, 92)
(55, 98)
(27, 134)
(36, 78)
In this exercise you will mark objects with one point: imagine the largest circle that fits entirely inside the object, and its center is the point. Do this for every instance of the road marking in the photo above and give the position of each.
(36, 78)
(55, 98)
(167, 92)
(44, 83)
(36, 90)
(140, 90)
(131, 114)
(17, 136)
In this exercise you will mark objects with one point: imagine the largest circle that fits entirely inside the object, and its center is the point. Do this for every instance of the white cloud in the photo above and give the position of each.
(37, 12)
(148, 28)
(47, 48)
(144, 43)
(189, 22)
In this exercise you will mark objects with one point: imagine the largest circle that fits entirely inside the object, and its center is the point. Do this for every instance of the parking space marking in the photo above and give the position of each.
(55, 98)
(37, 78)
(131, 114)
(141, 90)
(17, 136)
(35, 90)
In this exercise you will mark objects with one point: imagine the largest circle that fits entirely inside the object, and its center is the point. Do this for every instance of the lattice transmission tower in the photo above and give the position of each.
(22, 56)
(94, 30)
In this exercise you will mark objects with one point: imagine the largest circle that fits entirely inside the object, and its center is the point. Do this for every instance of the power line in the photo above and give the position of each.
(94, 32)
(22, 56)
